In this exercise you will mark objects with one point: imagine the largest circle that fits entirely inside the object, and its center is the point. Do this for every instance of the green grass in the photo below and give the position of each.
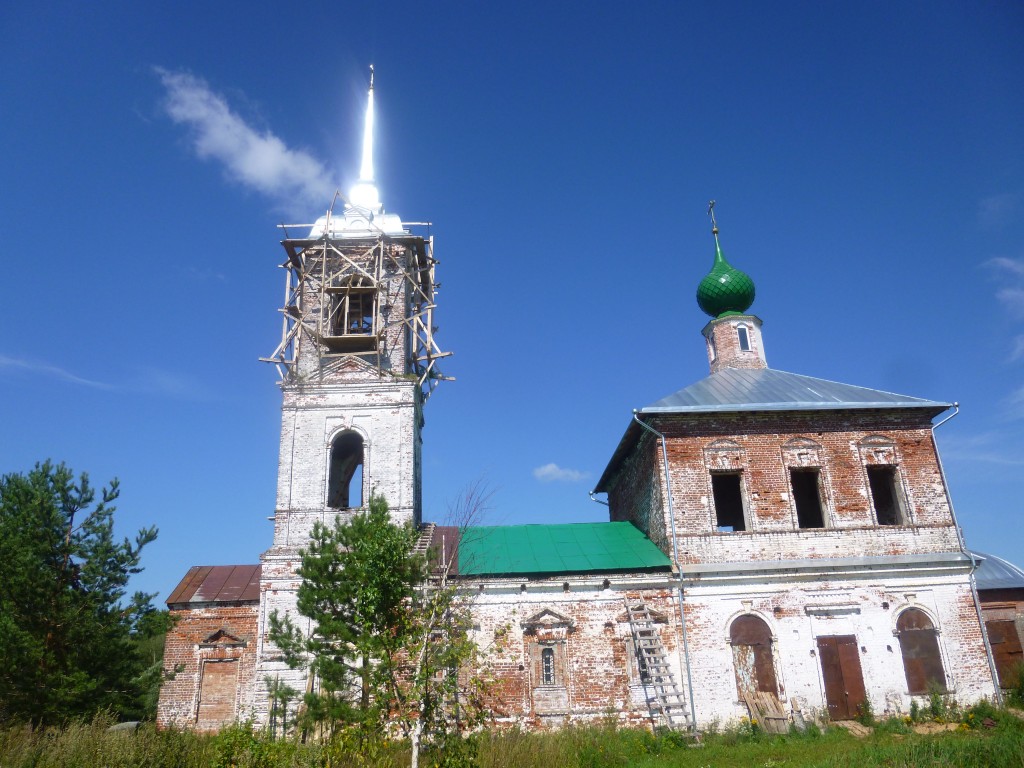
(990, 738)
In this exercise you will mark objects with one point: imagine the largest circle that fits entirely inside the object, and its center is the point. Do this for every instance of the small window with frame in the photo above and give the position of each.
(744, 338)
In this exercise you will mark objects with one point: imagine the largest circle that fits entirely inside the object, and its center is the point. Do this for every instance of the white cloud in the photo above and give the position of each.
(256, 159)
(1013, 266)
(553, 473)
(46, 369)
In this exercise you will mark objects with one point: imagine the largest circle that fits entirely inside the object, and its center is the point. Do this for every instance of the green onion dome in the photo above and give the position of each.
(725, 290)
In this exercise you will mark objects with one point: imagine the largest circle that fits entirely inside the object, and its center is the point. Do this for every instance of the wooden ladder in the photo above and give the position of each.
(426, 538)
(665, 700)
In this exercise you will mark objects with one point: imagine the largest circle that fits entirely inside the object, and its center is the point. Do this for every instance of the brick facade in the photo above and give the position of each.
(779, 520)
(204, 635)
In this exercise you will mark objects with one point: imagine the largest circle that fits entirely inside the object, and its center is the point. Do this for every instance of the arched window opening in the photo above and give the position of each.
(547, 665)
(345, 487)
(919, 644)
(744, 338)
(751, 640)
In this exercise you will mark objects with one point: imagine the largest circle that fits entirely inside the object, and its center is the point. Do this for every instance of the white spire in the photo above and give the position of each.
(364, 215)
(364, 194)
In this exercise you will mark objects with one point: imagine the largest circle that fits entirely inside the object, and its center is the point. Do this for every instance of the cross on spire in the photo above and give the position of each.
(364, 194)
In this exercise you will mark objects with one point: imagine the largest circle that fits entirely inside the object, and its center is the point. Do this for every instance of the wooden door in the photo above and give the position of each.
(844, 682)
(1006, 648)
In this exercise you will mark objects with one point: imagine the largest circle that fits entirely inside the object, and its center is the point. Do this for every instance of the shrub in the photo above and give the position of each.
(1016, 681)
(866, 714)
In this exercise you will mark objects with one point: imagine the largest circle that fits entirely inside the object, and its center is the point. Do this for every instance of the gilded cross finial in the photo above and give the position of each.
(371, 77)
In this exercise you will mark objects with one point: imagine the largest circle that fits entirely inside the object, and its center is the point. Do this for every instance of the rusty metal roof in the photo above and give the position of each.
(218, 584)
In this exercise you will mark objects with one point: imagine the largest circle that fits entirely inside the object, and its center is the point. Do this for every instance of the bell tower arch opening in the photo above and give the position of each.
(346, 471)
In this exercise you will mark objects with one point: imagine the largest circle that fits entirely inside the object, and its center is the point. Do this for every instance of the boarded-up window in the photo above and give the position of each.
(217, 694)
(751, 641)
(1006, 648)
(920, 647)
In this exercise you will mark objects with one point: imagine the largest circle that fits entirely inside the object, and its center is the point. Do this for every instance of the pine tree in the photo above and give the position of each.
(359, 580)
(390, 641)
(66, 632)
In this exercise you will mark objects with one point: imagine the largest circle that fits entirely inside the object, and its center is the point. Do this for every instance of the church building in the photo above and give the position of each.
(777, 546)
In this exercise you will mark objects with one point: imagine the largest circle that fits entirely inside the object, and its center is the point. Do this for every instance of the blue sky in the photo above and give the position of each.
(867, 160)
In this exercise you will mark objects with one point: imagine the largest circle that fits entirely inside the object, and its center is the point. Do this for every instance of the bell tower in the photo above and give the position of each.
(357, 361)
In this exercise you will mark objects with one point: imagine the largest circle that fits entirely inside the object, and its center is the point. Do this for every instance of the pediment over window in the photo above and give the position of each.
(724, 445)
(801, 442)
(547, 619)
(801, 452)
(350, 367)
(224, 639)
(724, 456)
(876, 440)
(878, 449)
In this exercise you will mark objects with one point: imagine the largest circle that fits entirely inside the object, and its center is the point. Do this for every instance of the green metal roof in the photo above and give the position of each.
(548, 549)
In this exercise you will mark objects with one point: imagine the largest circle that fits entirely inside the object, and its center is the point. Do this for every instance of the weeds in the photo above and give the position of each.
(866, 714)
(989, 736)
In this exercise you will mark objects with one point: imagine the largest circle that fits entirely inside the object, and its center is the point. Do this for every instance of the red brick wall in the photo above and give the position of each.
(207, 633)
(762, 447)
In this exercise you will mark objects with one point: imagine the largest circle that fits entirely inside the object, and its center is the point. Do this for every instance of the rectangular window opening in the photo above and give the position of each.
(728, 495)
(353, 313)
(744, 339)
(885, 495)
(807, 496)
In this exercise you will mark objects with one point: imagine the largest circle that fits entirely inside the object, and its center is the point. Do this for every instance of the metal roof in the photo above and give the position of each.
(218, 584)
(551, 549)
(995, 573)
(766, 389)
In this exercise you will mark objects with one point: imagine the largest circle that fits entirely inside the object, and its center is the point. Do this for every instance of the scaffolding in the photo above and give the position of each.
(361, 295)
